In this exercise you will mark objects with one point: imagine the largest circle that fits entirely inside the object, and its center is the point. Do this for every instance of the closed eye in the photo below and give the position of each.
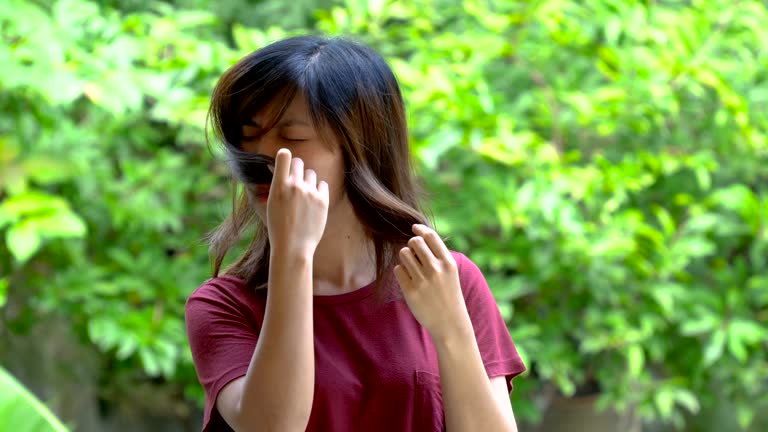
(250, 138)
(294, 139)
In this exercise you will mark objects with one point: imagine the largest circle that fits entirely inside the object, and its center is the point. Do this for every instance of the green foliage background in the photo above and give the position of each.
(603, 161)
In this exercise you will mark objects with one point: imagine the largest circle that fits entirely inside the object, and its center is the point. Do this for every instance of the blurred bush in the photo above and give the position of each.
(604, 162)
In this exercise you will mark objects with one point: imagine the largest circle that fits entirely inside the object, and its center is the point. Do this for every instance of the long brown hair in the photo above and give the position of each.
(352, 91)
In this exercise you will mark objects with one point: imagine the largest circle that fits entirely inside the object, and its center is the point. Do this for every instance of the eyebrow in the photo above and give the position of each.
(282, 123)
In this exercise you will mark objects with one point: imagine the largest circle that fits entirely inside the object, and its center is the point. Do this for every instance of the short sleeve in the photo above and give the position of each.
(497, 349)
(222, 334)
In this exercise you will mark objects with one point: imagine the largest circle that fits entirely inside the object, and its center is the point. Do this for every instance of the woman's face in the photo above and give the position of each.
(295, 132)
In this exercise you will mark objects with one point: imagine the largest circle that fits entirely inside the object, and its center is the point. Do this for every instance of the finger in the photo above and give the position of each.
(433, 241)
(310, 177)
(419, 247)
(408, 260)
(402, 275)
(282, 165)
(297, 170)
(322, 188)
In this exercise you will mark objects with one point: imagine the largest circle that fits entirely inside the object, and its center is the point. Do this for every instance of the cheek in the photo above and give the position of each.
(249, 146)
(329, 170)
(336, 193)
(335, 178)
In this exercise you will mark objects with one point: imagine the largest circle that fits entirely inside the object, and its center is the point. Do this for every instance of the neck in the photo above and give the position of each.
(344, 258)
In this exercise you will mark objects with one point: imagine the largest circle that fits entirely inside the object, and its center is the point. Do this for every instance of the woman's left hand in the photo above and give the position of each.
(429, 278)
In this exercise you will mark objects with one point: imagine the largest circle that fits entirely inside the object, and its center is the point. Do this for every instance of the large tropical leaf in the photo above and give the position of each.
(21, 411)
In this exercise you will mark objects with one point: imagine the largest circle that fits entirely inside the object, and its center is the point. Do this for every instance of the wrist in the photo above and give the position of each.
(284, 262)
(295, 255)
(290, 272)
(458, 332)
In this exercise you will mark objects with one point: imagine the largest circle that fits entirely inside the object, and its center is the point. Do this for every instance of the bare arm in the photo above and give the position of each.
(429, 277)
(472, 401)
(276, 393)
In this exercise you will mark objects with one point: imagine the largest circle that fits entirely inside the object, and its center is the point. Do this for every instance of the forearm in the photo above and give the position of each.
(467, 392)
(279, 385)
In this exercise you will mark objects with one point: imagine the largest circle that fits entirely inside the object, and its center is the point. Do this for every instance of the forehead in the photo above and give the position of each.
(295, 112)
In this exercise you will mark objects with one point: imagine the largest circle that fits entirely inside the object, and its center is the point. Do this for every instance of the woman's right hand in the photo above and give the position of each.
(297, 207)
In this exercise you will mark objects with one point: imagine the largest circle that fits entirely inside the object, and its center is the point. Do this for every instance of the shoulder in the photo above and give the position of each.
(469, 272)
(222, 305)
(471, 278)
(474, 284)
(222, 292)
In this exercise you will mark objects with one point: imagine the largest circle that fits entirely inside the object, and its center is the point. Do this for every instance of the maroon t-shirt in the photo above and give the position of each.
(375, 366)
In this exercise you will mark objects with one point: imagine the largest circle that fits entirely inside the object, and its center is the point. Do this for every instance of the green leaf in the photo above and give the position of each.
(745, 416)
(737, 348)
(565, 384)
(742, 333)
(714, 349)
(665, 402)
(6, 217)
(703, 178)
(687, 399)
(406, 72)
(45, 171)
(702, 223)
(32, 202)
(59, 224)
(127, 347)
(166, 354)
(635, 360)
(668, 225)
(23, 241)
(104, 332)
(704, 324)
(441, 142)
(612, 245)
(749, 331)
(694, 247)
(740, 199)
(150, 361)
(506, 311)
(3, 292)
(666, 295)
(613, 30)
(21, 411)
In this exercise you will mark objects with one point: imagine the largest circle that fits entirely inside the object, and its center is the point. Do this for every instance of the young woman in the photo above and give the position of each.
(347, 312)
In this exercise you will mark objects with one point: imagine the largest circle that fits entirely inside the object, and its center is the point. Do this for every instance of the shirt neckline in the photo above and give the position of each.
(332, 299)
(347, 297)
